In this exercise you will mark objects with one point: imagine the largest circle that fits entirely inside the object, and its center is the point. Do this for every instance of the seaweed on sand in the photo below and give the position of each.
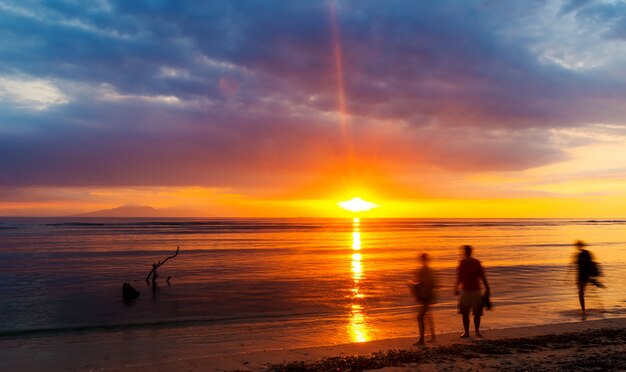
(484, 348)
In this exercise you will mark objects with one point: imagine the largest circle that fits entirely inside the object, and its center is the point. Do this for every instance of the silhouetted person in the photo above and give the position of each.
(587, 270)
(468, 276)
(423, 289)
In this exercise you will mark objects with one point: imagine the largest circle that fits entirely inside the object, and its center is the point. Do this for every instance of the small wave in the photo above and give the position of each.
(456, 223)
(160, 324)
(209, 226)
(546, 245)
(189, 227)
(136, 253)
(617, 222)
(79, 224)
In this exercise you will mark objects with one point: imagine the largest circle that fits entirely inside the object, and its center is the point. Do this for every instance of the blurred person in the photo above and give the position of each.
(423, 289)
(468, 276)
(587, 271)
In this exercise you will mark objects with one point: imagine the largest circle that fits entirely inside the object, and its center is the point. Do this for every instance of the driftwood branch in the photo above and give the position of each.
(155, 266)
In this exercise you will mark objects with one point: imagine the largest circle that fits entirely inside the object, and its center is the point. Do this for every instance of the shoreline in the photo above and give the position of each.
(378, 353)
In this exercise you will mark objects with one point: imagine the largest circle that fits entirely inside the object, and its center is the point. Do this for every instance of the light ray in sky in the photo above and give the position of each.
(341, 90)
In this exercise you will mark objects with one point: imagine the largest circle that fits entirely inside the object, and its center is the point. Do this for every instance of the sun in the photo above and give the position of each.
(357, 205)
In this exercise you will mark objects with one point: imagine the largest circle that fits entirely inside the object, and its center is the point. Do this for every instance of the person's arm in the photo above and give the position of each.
(458, 280)
(485, 282)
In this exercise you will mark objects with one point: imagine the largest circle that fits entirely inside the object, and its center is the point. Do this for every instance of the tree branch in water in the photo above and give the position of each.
(155, 266)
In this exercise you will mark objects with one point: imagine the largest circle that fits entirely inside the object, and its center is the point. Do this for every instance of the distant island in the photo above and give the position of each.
(134, 210)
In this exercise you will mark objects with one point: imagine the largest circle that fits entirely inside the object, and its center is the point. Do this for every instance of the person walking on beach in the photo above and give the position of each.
(423, 289)
(468, 276)
(587, 271)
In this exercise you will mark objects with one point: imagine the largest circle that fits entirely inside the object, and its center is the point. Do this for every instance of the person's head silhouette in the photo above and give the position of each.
(424, 257)
(467, 249)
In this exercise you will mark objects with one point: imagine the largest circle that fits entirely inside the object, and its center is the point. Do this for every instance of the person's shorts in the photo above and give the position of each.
(470, 301)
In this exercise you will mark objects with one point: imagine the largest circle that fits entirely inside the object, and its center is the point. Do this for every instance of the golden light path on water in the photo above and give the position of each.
(357, 326)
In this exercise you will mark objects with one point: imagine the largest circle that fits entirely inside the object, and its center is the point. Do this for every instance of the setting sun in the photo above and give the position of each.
(357, 205)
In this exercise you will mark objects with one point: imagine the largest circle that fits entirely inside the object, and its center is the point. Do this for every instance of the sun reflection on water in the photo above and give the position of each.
(356, 235)
(356, 240)
(357, 326)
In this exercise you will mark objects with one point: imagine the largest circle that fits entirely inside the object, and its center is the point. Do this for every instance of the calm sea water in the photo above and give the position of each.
(255, 284)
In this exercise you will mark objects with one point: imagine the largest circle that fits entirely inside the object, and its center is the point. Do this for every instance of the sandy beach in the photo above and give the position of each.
(588, 345)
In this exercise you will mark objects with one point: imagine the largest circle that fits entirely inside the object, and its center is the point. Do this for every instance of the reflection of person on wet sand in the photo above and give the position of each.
(423, 289)
(468, 274)
(587, 271)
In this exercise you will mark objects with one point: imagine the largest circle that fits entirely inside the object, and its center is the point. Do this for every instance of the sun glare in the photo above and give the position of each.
(357, 205)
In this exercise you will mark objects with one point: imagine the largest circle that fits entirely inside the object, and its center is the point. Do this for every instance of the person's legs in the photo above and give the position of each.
(431, 322)
(464, 309)
(477, 325)
(420, 323)
(581, 295)
(466, 323)
(477, 310)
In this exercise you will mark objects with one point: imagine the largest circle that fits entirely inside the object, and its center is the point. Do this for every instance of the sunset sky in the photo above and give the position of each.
(283, 108)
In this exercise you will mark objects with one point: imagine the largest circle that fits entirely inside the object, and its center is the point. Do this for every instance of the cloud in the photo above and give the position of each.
(241, 94)
(607, 16)
(32, 94)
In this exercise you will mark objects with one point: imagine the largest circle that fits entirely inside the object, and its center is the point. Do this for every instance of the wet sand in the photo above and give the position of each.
(589, 345)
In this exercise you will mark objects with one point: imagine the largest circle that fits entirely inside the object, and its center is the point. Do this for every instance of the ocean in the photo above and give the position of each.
(242, 285)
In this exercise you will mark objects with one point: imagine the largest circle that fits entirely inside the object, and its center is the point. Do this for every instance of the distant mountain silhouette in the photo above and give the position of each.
(133, 210)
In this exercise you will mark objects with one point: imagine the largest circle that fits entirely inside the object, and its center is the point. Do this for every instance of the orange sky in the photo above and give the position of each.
(586, 185)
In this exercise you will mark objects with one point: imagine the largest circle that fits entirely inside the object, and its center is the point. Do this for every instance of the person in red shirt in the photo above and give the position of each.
(468, 276)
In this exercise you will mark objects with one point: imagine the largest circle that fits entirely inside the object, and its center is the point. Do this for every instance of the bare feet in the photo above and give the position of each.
(419, 343)
(465, 335)
(479, 335)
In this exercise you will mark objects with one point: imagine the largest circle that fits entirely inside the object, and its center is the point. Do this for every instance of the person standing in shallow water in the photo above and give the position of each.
(423, 289)
(586, 270)
(468, 275)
